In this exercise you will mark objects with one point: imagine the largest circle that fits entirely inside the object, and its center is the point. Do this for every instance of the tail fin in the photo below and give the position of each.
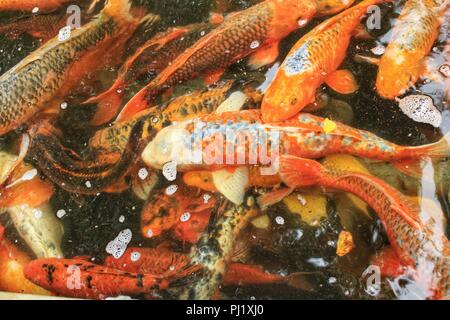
(299, 172)
(440, 149)
(299, 280)
(187, 275)
(108, 103)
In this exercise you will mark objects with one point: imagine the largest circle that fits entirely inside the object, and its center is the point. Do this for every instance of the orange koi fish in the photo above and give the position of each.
(312, 61)
(81, 279)
(412, 234)
(28, 5)
(12, 263)
(18, 189)
(160, 261)
(43, 79)
(305, 136)
(187, 216)
(255, 31)
(414, 33)
(150, 59)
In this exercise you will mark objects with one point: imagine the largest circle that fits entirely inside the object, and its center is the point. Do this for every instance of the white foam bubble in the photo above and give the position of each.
(279, 220)
(143, 173)
(170, 190)
(170, 170)
(64, 33)
(60, 213)
(420, 108)
(185, 217)
(118, 246)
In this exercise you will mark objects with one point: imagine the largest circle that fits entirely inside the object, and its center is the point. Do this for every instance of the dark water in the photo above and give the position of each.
(93, 221)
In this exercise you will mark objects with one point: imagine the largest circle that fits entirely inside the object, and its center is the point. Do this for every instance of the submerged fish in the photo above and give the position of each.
(197, 103)
(209, 143)
(45, 77)
(414, 33)
(12, 263)
(149, 60)
(215, 248)
(39, 228)
(161, 260)
(312, 61)
(413, 234)
(82, 279)
(29, 5)
(255, 31)
(163, 212)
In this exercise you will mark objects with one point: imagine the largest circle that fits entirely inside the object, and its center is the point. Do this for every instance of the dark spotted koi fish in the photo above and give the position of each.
(313, 60)
(81, 279)
(45, 77)
(103, 156)
(412, 233)
(149, 60)
(414, 33)
(255, 31)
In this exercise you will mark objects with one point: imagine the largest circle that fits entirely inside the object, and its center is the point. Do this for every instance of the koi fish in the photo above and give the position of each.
(28, 5)
(255, 31)
(75, 174)
(199, 102)
(39, 228)
(331, 7)
(304, 136)
(215, 248)
(81, 279)
(12, 263)
(413, 35)
(149, 60)
(312, 61)
(42, 26)
(24, 187)
(163, 212)
(160, 261)
(412, 234)
(47, 75)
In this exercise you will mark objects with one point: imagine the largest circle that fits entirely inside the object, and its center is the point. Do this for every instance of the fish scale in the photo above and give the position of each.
(20, 99)
(413, 35)
(416, 242)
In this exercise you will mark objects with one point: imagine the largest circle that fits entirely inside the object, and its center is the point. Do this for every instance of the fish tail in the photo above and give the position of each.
(108, 103)
(187, 275)
(439, 149)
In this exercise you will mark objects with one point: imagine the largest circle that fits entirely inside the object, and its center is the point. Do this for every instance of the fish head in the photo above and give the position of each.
(171, 144)
(290, 15)
(396, 74)
(285, 97)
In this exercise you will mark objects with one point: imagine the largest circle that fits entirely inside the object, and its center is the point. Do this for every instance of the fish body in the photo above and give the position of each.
(81, 279)
(29, 5)
(149, 260)
(214, 249)
(12, 263)
(39, 228)
(413, 35)
(414, 235)
(209, 144)
(47, 75)
(313, 59)
(256, 30)
(149, 60)
(201, 102)
(163, 212)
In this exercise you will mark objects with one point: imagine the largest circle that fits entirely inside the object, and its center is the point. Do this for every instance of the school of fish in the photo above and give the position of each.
(209, 153)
